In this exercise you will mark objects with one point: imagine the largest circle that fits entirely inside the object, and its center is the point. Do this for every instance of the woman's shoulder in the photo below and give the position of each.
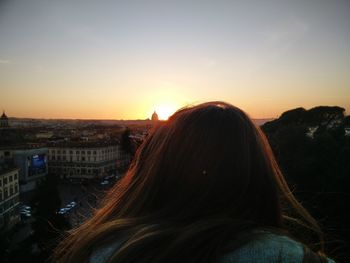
(102, 253)
(268, 247)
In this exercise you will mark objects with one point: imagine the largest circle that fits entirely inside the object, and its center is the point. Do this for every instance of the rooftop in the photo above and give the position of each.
(83, 144)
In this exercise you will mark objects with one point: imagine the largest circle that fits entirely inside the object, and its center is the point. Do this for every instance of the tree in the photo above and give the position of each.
(48, 224)
(317, 166)
(126, 142)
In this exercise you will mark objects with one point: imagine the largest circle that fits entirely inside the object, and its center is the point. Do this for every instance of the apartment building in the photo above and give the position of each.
(32, 163)
(85, 160)
(9, 192)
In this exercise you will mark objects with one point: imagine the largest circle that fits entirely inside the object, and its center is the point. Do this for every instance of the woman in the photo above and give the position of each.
(203, 187)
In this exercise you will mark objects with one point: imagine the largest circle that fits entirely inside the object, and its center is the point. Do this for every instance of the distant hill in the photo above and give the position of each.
(260, 122)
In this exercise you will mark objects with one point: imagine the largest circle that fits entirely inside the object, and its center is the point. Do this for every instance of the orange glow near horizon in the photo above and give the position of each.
(121, 61)
(164, 111)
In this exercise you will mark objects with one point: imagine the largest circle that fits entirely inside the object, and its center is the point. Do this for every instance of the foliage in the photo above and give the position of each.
(314, 154)
(126, 142)
(48, 224)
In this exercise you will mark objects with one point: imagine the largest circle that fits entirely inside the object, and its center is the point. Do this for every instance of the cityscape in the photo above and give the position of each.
(83, 159)
(58, 171)
(115, 114)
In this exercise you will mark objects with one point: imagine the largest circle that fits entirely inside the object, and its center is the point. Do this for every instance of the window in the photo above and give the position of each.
(71, 152)
(16, 176)
(77, 152)
(10, 178)
(5, 180)
(82, 152)
(0, 182)
(94, 152)
(64, 151)
(88, 152)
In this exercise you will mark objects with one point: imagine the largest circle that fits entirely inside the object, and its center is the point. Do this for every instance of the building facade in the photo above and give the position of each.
(9, 196)
(85, 160)
(33, 167)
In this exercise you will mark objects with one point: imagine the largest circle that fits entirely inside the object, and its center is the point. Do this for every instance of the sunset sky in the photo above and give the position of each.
(124, 59)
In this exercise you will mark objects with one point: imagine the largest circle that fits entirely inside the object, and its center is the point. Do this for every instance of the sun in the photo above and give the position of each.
(164, 111)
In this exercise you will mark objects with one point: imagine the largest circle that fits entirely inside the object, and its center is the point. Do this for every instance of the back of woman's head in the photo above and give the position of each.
(206, 160)
(209, 173)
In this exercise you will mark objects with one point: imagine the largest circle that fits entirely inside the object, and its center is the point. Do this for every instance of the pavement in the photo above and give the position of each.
(87, 197)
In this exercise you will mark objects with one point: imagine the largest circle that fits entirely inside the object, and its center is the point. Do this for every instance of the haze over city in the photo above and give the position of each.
(125, 59)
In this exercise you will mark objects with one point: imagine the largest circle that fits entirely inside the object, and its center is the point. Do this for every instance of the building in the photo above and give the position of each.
(85, 160)
(9, 192)
(4, 121)
(155, 117)
(44, 135)
(33, 167)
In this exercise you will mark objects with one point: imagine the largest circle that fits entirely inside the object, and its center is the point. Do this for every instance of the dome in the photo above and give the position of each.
(3, 116)
(4, 121)
(155, 116)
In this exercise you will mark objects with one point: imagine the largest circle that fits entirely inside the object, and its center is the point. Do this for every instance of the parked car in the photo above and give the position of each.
(105, 182)
(62, 211)
(27, 207)
(25, 214)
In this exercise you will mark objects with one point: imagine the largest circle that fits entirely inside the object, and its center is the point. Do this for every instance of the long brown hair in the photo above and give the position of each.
(199, 184)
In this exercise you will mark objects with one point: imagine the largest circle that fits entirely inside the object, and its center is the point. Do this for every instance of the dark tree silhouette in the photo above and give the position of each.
(314, 153)
(48, 224)
(126, 142)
